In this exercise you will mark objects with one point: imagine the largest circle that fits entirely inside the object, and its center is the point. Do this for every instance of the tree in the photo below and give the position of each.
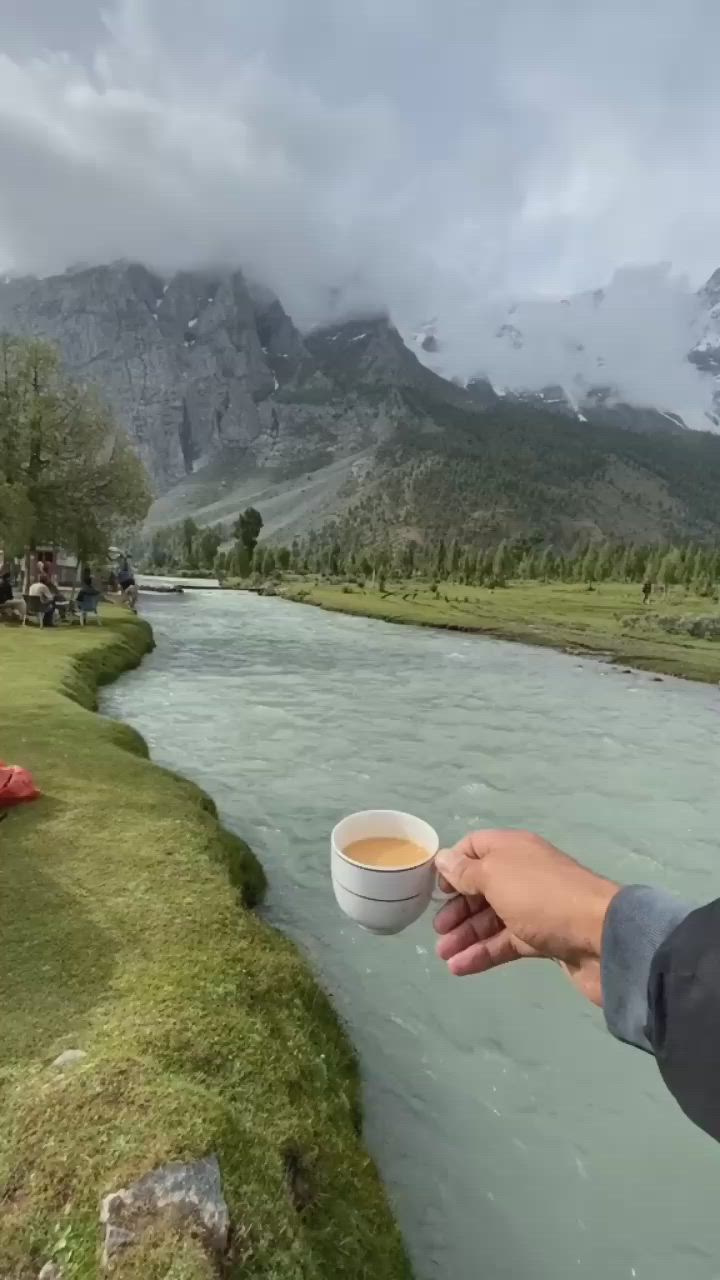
(190, 531)
(502, 562)
(547, 565)
(241, 562)
(206, 547)
(247, 529)
(604, 562)
(670, 568)
(440, 561)
(68, 475)
(283, 557)
(589, 563)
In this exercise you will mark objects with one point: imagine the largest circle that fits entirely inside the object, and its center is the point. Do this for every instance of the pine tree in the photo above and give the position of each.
(604, 562)
(501, 562)
(671, 567)
(587, 572)
(547, 565)
(440, 561)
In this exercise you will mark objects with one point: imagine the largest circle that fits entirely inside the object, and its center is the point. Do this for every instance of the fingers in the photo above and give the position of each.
(454, 912)
(482, 956)
(476, 928)
(460, 870)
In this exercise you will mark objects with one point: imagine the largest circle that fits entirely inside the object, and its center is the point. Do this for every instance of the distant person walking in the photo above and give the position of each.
(127, 585)
(646, 592)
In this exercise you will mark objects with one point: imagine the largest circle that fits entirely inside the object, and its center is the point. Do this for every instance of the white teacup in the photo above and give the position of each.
(382, 899)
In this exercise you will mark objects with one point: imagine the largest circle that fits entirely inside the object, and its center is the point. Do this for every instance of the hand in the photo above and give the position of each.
(520, 897)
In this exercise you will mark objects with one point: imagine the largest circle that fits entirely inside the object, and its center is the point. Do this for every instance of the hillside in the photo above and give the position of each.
(229, 405)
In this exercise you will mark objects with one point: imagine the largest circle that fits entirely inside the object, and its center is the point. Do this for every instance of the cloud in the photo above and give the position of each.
(419, 156)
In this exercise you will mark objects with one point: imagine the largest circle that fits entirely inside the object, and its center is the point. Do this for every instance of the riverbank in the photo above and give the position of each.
(127, 934)
(609, 622)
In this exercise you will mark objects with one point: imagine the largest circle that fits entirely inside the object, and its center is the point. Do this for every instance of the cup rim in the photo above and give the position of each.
(392, 871)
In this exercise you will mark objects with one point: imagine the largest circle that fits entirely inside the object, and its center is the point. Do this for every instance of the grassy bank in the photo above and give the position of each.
(126, 933)
(609, 621)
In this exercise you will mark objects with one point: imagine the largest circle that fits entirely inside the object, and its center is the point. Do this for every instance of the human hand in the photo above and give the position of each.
(520, 897)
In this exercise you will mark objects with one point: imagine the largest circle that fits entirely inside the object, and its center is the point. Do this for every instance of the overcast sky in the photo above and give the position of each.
(411, 152)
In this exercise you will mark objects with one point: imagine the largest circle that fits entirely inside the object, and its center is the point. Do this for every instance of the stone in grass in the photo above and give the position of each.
(176, 1195)
(70, 1058)
(50, 1272)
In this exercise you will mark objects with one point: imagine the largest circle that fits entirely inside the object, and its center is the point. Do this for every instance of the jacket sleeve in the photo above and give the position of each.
(638, 921)
(684, 1015)
(661, 992)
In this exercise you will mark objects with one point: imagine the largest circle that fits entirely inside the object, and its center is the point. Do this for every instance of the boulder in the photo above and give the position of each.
(180, 1196)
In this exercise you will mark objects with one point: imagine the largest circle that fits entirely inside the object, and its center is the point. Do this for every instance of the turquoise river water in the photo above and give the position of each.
(516, 1138)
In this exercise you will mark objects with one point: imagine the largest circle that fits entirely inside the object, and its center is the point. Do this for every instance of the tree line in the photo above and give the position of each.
(694, 565)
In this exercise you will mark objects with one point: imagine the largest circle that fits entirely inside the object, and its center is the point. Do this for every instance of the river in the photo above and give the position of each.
(516, 1138)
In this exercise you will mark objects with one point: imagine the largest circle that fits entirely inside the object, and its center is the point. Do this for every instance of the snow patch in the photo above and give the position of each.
(157, 303)
(165, 288)
(192, 323)
(277, 384)
(359, 337)
(581, 417)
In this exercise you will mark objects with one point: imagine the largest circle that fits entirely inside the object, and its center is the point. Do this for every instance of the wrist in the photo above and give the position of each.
(600, 895)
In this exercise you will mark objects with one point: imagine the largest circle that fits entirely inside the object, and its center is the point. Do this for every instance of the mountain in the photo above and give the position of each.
(229, 404)
(644, 352)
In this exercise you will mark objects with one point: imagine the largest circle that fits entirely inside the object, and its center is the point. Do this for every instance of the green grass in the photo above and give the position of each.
(126, 932)
(610, 621)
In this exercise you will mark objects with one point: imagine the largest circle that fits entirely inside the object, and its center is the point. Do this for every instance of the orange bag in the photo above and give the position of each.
(16, 785)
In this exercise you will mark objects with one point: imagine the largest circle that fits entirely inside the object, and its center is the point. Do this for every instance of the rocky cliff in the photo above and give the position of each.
(228, 404)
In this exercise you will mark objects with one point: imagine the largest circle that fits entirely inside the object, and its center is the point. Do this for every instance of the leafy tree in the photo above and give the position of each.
(68, 475)
(247, 529)
(206, 547)
(241, 562)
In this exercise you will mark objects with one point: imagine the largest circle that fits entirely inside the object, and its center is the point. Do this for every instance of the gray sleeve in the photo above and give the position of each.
(639, 919)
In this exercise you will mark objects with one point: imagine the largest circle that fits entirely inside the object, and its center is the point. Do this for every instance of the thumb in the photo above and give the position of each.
(462, 873)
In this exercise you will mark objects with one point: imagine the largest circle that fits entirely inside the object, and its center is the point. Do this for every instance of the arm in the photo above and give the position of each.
(649, 960)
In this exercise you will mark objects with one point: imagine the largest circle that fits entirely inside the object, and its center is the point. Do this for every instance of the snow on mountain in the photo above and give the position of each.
(646, 340)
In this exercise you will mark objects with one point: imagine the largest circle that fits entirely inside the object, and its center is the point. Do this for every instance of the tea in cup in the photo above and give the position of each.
(383, 868)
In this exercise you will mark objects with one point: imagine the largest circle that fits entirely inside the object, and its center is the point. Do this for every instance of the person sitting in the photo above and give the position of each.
(87, 599)
(42, 592)
(10, 605)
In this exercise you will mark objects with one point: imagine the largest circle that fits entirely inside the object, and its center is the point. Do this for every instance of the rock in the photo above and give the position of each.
(50, 1272)
(116, 1239)
(70, 1058)
(176, 1194)
(657, 679)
